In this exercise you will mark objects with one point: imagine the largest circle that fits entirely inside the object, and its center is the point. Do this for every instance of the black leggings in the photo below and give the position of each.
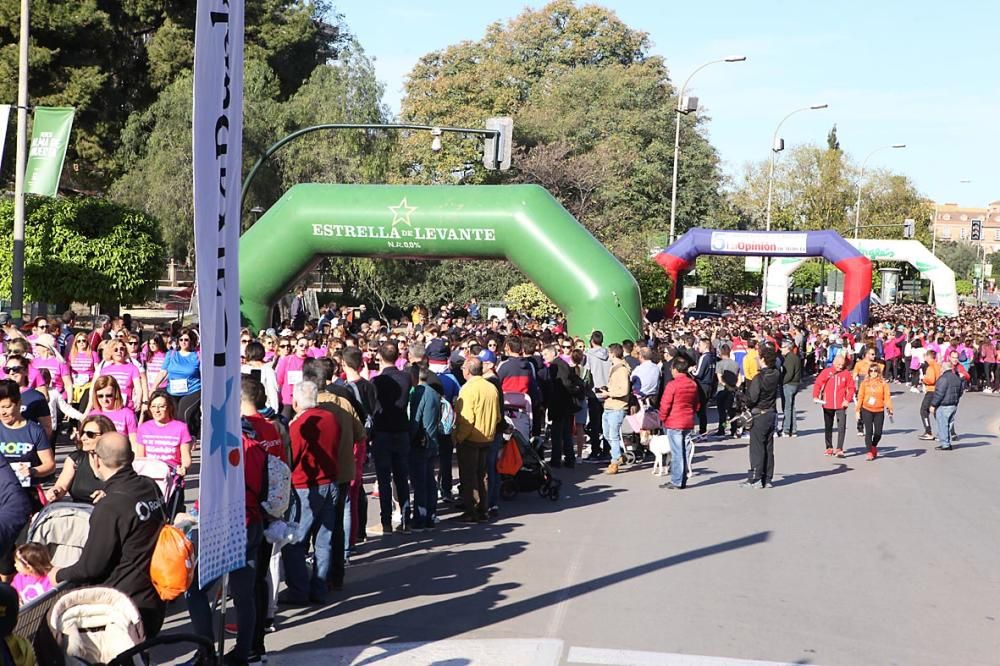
(189, 411)
(828, 415)
(873, 426)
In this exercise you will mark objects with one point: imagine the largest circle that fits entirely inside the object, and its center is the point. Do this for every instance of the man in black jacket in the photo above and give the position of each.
(391, 437)
(559, 400)
(124, 528)
(944, 402)
(704, 375)
(762, 394)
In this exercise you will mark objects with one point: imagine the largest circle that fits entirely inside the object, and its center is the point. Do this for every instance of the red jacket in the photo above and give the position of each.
(315, 437)
(679, 404)
(837, 387)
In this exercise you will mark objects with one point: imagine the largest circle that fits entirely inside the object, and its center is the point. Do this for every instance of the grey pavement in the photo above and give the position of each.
(844, 562)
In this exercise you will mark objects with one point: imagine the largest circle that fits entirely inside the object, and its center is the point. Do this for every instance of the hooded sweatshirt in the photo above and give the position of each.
(599, 364)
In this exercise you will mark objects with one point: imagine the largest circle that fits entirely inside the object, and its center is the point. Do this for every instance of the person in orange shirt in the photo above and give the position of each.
(860, 373)
(874, 400)
(931, 372)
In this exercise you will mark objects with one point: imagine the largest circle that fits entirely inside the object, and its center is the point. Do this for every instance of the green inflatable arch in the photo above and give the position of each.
(521, 223)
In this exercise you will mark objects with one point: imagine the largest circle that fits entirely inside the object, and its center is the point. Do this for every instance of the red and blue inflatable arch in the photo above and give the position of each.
(679, 258)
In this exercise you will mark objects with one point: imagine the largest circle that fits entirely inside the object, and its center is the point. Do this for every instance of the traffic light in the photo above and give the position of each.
(909, 228)
(497, 149)
(977, 230)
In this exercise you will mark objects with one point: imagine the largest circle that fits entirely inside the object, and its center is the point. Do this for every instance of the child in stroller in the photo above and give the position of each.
(534, 474)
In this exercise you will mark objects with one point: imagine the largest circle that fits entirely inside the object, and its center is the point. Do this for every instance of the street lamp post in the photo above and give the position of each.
(777, 145)
(861, 180)
(678, 112)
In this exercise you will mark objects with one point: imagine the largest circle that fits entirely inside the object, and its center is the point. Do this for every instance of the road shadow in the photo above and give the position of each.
(789, 479)
(894, 452)
(695, 481)
(440, 620)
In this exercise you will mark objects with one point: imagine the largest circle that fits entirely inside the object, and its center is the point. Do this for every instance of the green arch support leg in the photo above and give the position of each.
(521, 223)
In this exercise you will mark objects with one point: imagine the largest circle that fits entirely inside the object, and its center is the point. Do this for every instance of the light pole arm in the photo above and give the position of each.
(276, 146)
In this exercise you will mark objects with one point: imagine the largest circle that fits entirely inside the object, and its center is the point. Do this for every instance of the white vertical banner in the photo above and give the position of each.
(217, 136)
(4, 120)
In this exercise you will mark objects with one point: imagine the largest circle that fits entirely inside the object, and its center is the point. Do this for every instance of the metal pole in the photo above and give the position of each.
(770, 192)
(857, 204)
(677, 137)
(17, 267)
(673, 188)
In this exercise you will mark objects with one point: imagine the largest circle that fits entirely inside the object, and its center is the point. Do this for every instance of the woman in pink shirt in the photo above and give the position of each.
(164, 437)
(156, 352)
(126, 374)
(108, 398)
(289, 372)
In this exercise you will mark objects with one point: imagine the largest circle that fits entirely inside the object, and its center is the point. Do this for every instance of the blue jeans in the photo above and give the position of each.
(678, 455)
(945, 415)
(611, 423)
(424, 488)
(391, 451)
(789, 391)
(317, 520)
(241, 587)
(492, 475)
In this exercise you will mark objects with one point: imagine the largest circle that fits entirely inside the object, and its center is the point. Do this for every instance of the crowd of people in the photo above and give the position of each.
(414, 398)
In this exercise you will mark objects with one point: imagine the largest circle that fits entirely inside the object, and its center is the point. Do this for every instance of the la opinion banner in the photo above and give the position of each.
(217, 136)
(49, 140)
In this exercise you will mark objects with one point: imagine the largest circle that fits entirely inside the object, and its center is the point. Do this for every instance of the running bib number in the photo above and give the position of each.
(294, 377)
(871, 401)
(81, 379)
(178, 386)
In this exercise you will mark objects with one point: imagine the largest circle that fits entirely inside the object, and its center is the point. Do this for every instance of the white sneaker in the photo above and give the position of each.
(914, 389)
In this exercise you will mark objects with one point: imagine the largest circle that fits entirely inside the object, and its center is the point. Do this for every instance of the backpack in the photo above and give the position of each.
(578, 390)
(277, 487)
(172, 566)
(447, 417)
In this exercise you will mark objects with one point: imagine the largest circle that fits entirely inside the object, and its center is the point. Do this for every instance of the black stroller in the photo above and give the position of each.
(535, 473)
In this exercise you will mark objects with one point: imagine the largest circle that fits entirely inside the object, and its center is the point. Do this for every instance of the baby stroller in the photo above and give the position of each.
(517, 408)
(63, 527)
(646, 419)
(535, 473)
(170, 483)
(100, 625)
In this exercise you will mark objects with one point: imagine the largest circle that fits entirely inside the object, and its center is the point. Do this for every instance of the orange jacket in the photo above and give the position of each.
(874, 396)
(931, 375)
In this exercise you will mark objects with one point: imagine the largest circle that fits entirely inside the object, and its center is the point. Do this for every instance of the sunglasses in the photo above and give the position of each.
(133, 342)
(284, 346)
(245, 341)
(105, 396)
(90, 434)
(184, 339)
(43, 326)
(83, 340)
(13, 368)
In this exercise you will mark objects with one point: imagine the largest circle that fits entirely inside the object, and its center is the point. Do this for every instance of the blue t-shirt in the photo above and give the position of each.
(21, 445)
(183, 373)
(34, 405)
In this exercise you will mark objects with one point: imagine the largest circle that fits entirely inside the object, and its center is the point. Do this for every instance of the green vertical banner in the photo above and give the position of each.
(49, 139)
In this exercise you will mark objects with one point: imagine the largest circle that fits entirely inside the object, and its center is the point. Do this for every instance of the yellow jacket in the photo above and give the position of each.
(477, 412)
(351, 431)
(751, 364)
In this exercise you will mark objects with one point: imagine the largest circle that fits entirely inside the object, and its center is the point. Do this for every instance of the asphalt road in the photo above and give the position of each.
(844, 562)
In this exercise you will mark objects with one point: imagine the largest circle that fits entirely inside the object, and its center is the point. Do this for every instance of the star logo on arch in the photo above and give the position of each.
(401, 213)
(222, 441)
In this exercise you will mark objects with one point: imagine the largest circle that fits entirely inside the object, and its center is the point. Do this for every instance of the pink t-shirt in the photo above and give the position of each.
(57, 370)
(83, 365)
(124, 419)
(316, 352)
(163, 442)
(289, 373)
(127, 376)
(29, 587)
(153, 365)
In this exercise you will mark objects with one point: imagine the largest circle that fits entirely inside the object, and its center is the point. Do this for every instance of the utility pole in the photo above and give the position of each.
(17, 268)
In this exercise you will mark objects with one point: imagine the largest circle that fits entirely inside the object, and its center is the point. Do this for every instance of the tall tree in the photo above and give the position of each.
(109, 59)
(592, 111)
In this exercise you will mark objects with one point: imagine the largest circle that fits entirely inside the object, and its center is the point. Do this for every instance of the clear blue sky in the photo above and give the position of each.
(922, 73)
